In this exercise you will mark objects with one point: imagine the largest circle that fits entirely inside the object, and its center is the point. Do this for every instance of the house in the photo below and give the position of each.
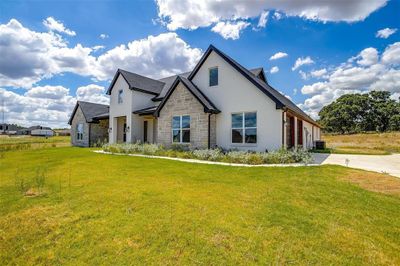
(89, 124)
(9, 129)
(40, 131)
(218, 104)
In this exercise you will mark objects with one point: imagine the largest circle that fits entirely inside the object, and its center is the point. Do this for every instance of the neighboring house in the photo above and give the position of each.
(219, 103)
(8, 129)
(89, 124)
(40, 131)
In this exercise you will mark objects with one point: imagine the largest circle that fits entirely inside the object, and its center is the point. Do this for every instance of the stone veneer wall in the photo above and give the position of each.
(182, 102)
(79, 118)
(99, 132)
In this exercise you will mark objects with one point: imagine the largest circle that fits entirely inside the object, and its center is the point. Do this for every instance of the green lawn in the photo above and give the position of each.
(29, 142)
(108, 209)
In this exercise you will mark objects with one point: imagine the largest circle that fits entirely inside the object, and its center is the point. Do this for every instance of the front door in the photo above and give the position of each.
(145, 131)
(124, 136)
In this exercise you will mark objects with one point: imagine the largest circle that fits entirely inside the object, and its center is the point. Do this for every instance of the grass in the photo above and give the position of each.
(105, 209)
(366, 143)
(30, 142)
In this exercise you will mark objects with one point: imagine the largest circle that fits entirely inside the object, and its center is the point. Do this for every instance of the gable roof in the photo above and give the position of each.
(138, 83)
(209, 107)
(91, 111)
(259, 73)
(280, 100)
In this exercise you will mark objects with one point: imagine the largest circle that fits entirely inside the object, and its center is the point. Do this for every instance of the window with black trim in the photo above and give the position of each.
(244, 127)
(181, 129)
(213, 76)
(120, 96)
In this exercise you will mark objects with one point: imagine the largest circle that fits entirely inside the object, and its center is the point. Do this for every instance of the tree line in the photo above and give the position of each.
(353, 113)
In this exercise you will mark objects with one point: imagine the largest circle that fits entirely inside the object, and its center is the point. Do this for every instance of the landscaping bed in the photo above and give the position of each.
(215, 155)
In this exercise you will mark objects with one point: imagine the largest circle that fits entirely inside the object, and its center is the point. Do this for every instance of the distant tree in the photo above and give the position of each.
(394, 123)
(352, 113)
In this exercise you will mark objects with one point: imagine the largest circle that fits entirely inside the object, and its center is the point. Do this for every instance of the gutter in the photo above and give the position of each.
(209, 131)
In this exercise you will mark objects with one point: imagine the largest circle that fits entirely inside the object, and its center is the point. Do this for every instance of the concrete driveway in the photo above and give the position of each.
(389, 164)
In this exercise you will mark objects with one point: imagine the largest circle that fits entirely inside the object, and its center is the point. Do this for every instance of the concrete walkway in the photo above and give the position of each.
(389, 164)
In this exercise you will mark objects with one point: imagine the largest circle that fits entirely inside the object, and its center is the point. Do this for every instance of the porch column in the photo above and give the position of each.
(129, 123)
(284, 128)
(113, 124)
(295, 133)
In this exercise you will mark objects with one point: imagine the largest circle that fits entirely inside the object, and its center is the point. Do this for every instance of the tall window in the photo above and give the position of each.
(181, 129)
(120, 94)
(213, 76)
(79, 131)
(244, 127)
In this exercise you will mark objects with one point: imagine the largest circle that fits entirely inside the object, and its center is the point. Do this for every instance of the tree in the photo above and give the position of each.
(352, 113)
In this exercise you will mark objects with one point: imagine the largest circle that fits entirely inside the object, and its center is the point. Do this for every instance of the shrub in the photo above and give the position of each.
(210, 155)
(281, 156)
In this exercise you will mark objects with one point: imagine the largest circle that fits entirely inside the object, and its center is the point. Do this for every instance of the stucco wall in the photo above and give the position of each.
(182, 102)
(79, 118)
(235, 93)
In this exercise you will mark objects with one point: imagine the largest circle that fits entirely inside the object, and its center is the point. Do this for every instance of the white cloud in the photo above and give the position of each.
(319, 73)
(92, 93)
(230, 30)
(277, 15)
(28, 56)
(385, 33)
(103, 36)
(54, 25)
(391, 55)
(304, 75)
(302, 61)
(274, 69)
(192, 14)
(47, 105)
(155, 56)
(368, 56)
(355, 77)
(262, 22)
(278, 55)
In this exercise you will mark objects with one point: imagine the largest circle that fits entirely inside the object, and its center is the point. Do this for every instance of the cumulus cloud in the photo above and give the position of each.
(301, 62)
(92, 93)
(28, 56)
(278, 55)
(362, 73)
(53, 25)
(192, 14)
(274, 69)
(368, 56)
(262, 22)
(385, 33)
(47, 105)
(277, 15)
(230, 30)
(319, 73)
(155, 56)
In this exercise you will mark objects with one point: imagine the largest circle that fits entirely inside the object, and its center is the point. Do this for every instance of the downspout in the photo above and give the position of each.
(209, 131)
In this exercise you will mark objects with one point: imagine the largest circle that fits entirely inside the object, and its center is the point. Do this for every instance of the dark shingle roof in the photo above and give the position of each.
(91, 111)
(138, 82)
(168, 81)
(146, 111)
(209, 107)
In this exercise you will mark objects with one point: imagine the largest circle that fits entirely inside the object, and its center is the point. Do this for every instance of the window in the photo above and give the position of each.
(120, 94)
(244, 127)
(213, 76)
(79, 131)
(181, 129)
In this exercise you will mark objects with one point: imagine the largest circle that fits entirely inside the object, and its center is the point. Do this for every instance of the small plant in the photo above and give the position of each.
(40, 179)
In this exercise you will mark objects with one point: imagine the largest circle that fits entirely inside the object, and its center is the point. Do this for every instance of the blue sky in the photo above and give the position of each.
(55, 52)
